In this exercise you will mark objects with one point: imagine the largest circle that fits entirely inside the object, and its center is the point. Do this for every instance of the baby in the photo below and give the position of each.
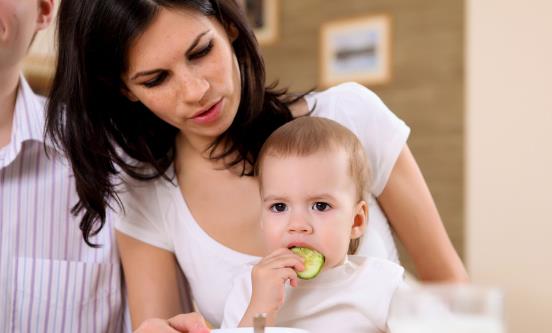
(313, 175)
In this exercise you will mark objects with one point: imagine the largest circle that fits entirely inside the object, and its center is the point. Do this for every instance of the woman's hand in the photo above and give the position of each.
(269, 277)
(182, 323)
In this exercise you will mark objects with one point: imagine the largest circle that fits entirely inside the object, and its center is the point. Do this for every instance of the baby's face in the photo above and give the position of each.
(311, 201)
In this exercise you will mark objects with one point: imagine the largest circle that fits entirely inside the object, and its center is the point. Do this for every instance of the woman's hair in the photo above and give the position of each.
(102, 132)
(305, 136)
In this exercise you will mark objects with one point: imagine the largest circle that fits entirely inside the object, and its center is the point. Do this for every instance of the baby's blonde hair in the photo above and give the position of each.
(307, 135)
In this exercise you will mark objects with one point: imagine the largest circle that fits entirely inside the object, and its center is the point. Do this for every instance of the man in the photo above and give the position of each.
(51, 281)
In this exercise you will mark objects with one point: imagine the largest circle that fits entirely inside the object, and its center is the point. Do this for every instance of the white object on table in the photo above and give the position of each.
(267, 330)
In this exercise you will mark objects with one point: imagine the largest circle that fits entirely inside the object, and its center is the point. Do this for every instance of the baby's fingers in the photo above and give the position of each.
(288, 274)
(286, 261)
(279, 252)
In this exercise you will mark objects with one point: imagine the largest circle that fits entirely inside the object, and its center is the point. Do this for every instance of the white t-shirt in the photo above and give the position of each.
(353, 297)
(157, 213)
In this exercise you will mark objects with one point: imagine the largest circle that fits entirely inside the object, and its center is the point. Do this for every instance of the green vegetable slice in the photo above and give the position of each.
(314, 261)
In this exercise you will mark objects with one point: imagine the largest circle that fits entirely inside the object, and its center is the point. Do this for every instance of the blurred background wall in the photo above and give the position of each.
(509, 155)
(472, 79)
(426, 88)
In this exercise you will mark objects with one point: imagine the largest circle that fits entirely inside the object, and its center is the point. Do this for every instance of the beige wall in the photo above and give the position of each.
(509, 155)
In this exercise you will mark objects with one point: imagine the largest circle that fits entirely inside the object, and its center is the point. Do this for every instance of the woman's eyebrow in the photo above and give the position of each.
(188, 51)
(196, 41)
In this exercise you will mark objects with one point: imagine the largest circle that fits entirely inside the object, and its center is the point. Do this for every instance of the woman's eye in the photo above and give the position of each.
(278, 207)
(157, 80)
(321, 206)
(203, 52)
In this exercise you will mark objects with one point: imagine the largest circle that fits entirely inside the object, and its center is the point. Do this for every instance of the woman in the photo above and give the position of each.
(172, 93)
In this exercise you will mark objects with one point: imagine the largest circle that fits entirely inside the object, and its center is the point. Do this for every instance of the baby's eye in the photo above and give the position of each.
(278, 207)
(321, 206)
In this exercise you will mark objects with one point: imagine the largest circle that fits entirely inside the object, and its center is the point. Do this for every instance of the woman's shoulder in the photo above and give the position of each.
(348, 98)
(142, 213)
(345, 92)
(143, 192)
(351, 87)
(352, 105)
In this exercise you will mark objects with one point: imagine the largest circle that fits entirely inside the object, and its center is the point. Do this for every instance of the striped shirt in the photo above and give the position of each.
(50, 280)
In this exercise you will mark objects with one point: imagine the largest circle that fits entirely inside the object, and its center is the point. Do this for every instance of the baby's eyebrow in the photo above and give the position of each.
(276, 197)
(321, 196)
(273, 198)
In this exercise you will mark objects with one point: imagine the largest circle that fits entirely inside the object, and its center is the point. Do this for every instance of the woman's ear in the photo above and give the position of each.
(233, 33)
(45, 14)
(129, 95)
(359, 220)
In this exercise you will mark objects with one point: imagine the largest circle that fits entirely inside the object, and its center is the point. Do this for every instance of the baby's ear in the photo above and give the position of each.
(359, 220)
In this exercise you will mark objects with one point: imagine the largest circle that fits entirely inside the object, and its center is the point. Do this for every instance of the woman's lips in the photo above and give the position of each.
(209, 115)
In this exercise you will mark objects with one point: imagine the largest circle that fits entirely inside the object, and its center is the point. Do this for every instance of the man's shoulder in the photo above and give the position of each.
(30, 108)
(29, 94)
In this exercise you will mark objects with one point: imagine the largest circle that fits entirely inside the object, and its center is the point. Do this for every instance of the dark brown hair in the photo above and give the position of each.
(103, 133)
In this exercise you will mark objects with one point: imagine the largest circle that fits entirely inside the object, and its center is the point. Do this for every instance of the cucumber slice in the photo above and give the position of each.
(314, 261)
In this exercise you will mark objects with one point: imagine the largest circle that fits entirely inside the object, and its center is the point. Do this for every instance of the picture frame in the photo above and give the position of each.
(356, 49)
(263, 17)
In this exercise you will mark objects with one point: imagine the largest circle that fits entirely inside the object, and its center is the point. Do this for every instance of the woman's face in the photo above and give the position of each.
(183, 68)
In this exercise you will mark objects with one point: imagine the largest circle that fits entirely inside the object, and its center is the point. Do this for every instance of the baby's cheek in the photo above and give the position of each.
(335, 249)
(272, 239)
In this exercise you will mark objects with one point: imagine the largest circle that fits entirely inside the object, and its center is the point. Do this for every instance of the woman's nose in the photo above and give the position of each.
(193, 88)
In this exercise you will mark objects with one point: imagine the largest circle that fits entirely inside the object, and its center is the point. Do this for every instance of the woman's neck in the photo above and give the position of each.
(197, 154)
(198, 151)
(192, 149)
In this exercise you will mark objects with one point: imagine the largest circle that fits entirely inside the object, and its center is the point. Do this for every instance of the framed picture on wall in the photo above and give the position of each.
(263, 16)
(357, 49)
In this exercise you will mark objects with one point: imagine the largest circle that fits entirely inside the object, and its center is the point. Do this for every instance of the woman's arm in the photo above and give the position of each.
(182, 323)
(412, 213)
(151, 277)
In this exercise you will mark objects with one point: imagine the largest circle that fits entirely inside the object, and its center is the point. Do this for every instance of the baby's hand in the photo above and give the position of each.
(269, 277)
